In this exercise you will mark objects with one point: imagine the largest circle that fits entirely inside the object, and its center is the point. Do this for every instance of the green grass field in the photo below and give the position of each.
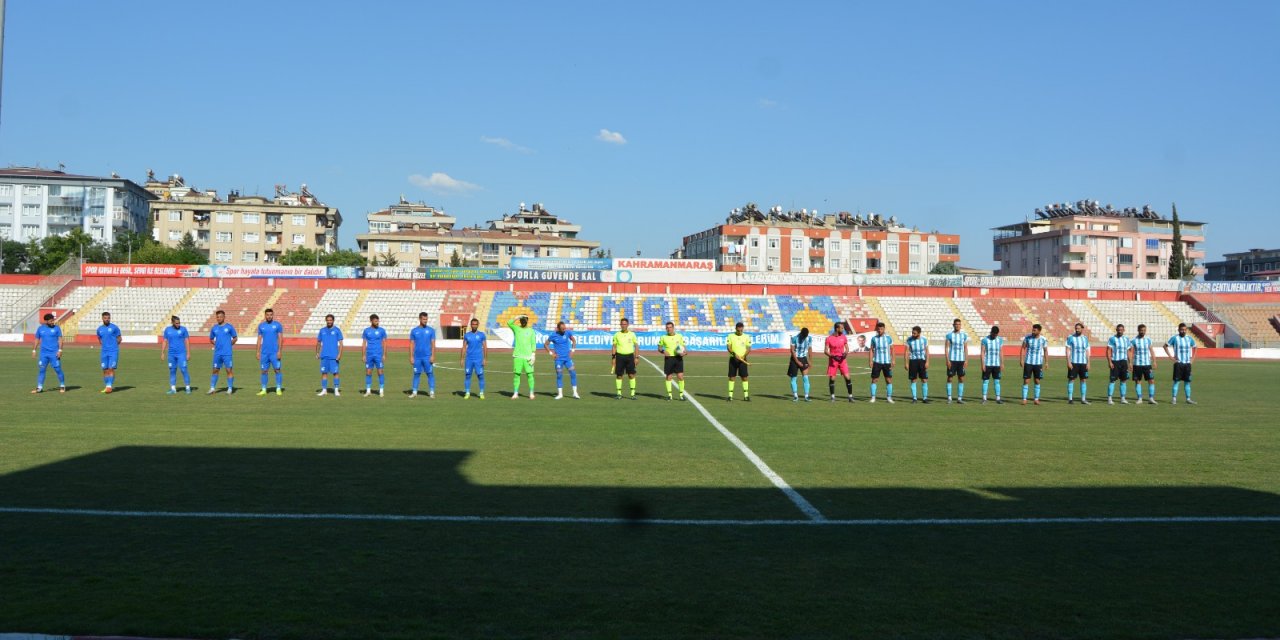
(713, 574)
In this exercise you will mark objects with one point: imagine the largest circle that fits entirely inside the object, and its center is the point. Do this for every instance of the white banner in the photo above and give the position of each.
(655, 263)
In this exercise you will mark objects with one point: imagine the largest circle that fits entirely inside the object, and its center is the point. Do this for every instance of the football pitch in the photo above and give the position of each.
(295, 516)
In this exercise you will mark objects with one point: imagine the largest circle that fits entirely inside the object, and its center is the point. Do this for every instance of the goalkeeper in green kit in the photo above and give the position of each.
(524, 344)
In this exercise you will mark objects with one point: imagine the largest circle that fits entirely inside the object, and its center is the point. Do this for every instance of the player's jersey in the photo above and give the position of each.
(995, 349)
(48, 337)
(1078, 348)
(802, 347)
(177, 339)
(524, 340)
(330, 341)
(957, 341)
(918, 348)
(1119, 347)
(108, 335)
(1141, 352)
(562, 343)
(422, 338)
(1036, 348)
(223, 337)
(738, 344)
(624, 343)
(882, 349)
(669, 343)
(473, 345)
(269, 336)
(837, 345)
(373, 338)
(1183, 348)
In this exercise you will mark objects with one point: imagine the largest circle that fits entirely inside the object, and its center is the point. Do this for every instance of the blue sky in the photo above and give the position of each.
(648, 121)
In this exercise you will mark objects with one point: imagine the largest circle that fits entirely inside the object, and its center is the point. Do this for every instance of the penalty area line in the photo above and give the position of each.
(688, 522)
(801, 503)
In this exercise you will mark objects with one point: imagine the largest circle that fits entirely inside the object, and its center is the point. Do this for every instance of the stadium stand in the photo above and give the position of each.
(1057, 319)
(934, 315)
(1161, 321)
(1003, 313)
(136, 310)
(1095, 324)
(198, 309)
(339, 302)
(293, 308)
(10, 295)
(397, 310)
(1257, 324)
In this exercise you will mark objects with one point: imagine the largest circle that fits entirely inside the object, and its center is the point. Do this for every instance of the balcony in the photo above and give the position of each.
(817, 252)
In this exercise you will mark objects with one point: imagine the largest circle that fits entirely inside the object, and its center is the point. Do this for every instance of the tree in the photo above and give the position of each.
(387, 259)
(598, 254)
(17, 257)
(299, 257)
(55, 250)
(189, 252)
(125, 244)
(343, 258)
(945, 269)
(1180, 268)
(455, 260)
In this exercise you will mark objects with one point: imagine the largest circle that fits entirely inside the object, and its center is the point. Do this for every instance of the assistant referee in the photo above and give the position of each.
(624, 358)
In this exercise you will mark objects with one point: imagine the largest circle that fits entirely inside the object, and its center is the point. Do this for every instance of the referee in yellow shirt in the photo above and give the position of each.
(739, 346)
(624, 358)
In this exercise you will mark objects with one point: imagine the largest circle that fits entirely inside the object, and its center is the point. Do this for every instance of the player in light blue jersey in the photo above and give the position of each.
(271, 350)
(48, 352)
(1035, 348)
(1078, 365)
(881, 360)
(917, 355)
(329, 353)
(422, 355)
(223, 337)
(109, 340)
(175, 348)
(474, 353)
(1183, 353)
(1118, 347)
(798, 366)
(957, 353)
(1144, 364)
(561, 346)
(371, 352)
(992, 346)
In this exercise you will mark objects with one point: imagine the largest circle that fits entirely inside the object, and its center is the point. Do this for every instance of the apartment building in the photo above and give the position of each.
(36, 203)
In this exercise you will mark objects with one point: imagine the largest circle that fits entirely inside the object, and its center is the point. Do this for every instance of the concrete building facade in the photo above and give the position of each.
(1254, 264)
(36, 203)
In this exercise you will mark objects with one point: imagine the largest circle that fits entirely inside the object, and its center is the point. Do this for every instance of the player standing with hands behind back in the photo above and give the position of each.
(623, 357)
(836, 348)
(739, 347)
(671, 346)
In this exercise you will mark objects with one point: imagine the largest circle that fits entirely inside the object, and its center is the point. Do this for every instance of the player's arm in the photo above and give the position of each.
(235, 336)
(748, 352)
(280, 343)
(257, 349)
(364, 348)
(573, 343)
(164, 346)
(613, 349)
(1151, 351)
(1167, 354)
(432, 358)
(1190, 358)
(187, 344)
(1111, 355)
(484, 351)
(318, 346)
(1023, 353)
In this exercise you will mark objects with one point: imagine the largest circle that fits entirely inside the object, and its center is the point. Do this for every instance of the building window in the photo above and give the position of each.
(30, 231)
(6, 189)
(873, 263)
(835, 264)
(773, 243)
(797, 244)
(951, 249)
(891, 247)
(1153, 244)
(1127, 243)
(915, 266)
(893, 266)
(855, 265)
(298, 238)
(175, 235)
(225, 217)
(577, 253)
(754, 262)
(873, 245)
(933, 249)
(251, 236)
(797, 264)
(406, 247)
(553, 252)
(250, 218)
(855, 245)
(275, 219)
(30, 191)
(222, 256)
(380, 247)
(773, 262)
(528, 252)
(755, 243)
(223, 237)
(299, 221)
(249, 256)
(31, 210)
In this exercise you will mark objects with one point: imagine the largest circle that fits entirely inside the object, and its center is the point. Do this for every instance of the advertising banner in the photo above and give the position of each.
(696, 341)
(1002, 282)
(562, 264)
(766, 278)
(136, 270)
(637, 264)
(464, 273)
(531, 275)
(260, 271)
(1233, 287)
(345, 273)
(392, 273)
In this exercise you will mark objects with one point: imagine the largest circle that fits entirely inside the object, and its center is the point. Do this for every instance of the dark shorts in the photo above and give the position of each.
(1078, 370)
(1142, 372)
(1120, 370)
(881, 368)
(955, 368)
(1182, 372)
(672, 365)
(916, 369)
(737, 368)
(794, 369)
(1035, 371)
(624, 364)
(991, 373)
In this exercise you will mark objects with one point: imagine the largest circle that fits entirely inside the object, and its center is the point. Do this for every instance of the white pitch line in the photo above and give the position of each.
(690, 522)
(804, 505)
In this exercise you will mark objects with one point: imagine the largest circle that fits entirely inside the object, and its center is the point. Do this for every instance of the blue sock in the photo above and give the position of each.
(573, 377)
(431, 381)
(1071, 391)
(416, 377)
(1151, 391)
(1137, 388)
(368, 380)
(1111, 389)
(213, 381)
(997, 387)
(794, 390)
(986, 385)
(111, 381)
(40, 377)
(1124, 390)
(913, 391)
(948, 390)
(1175, 389)
(173, 377)
(466, 383)
(559, 378)
(324, 383)
(231, 382)
(1037, 391)
(57, 370)
(186, 377)
(480, 377)
(264, 379)
(924, 387)
(960, 387)
(382, 380)
(279, 379)
(888, 389)
(1084, 390)
(1187, 389)
(1024, 392)
(336, 379)
(806, 385)
(873, 389)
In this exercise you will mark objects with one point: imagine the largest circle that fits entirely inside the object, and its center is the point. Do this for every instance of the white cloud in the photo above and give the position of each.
(506, 144)
(612, 137)
(442, 183)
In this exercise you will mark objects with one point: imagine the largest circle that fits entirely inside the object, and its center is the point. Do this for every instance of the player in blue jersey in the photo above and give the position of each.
(1078, 365)
(474, 353)
(957, 353)
(1183, 353)
(223, 337)
(1118, 347)
(561, 346)
(1143, 353)
(271, 350)
(1035, 348)
(798, 366)
(329, 353)
(992, 362)
(917, 357)
(880, 357)
(48, 352)
(422, 355)
(109, 340)
(175, 348)
(371, 352)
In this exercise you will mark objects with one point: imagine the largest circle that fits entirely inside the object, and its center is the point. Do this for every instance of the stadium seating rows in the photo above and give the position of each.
(1256, 323)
